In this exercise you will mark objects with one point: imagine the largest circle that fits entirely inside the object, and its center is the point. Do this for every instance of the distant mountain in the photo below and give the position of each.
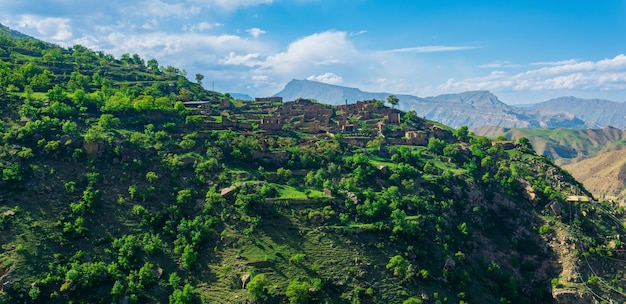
(473, 109)
(596, 112)
(325, 93)
(604, 174)
(241, 96)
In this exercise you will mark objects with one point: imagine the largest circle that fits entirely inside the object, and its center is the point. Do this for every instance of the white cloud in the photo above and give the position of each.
(260, 77)
(562, 62)
(255, 32)
(431, 49)
(499, 64)
(179, 49)
(329, 78)
(230, 5)
(317, 49)
(158, 8)
(247, 60)
(202, 26)
(57, 29)
(358, 33)
(606, 74)
(150, 24)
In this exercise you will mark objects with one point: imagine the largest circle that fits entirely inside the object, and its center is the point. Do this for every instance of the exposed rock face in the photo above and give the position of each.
(528, 192)
(244, 280)
(568, 296)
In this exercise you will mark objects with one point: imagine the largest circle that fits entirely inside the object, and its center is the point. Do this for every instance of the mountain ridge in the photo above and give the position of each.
(471, 108)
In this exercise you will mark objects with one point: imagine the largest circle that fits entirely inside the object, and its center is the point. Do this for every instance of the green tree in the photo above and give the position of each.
(153, 66)
(525, 142)
(182, 296)
(257, 287)
(462, 133)
(108, 122)
(399, 265)
(298, 292)
(199, 78)
(410, 117)
(393, 100)
(189, 258)
(413, 300)
(436, 145)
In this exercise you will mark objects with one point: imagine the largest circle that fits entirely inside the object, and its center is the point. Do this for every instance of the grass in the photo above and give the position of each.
(289, 192)
(379, 161)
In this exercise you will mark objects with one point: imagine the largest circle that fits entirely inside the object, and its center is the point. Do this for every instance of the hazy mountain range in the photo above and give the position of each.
(476, 108)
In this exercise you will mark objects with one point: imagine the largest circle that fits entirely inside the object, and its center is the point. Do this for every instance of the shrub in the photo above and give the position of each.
(399, 265)
(257, 287)
(544, 229)
(298, 292)
(297, 258)
(412, 300)
(151, 177)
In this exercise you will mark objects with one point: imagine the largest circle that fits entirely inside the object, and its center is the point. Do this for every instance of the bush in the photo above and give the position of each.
(297, 258)
(184, 296)
(298, 292)
(412, 300)
(399, 265)
(544, 229)
(257, 287)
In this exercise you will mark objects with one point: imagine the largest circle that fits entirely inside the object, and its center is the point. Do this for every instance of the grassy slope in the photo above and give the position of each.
(603, 173)
(593, 156)
(296, 234)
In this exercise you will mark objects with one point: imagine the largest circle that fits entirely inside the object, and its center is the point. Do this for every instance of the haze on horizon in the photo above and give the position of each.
(522, 51)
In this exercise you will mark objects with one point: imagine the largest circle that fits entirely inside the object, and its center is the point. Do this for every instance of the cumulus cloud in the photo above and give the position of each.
(181, 49)
(255, 32)
(247, 60)
(606, 74)
(330, 78)
(57, 29)
(329, 47)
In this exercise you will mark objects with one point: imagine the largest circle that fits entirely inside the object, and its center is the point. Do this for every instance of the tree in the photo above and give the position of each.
(153, 66)
(525, 142)
(393, 100)
(184, 296)
(199, 78)
(412, 300)
(410, 116)
(297, 292)
(462, 133)
(399, 265)
(436, 145)
(257, 287)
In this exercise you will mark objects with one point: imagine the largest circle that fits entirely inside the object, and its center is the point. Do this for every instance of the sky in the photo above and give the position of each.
(522, 51)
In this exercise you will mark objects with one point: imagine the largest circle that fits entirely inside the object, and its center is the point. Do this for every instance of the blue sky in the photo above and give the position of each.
(523, 51)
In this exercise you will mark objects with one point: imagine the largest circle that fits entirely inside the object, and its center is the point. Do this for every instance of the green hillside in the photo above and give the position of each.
(123, 182)
(563, 145)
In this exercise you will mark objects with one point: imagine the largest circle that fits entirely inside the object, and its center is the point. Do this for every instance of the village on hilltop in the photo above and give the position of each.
(357, 122)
